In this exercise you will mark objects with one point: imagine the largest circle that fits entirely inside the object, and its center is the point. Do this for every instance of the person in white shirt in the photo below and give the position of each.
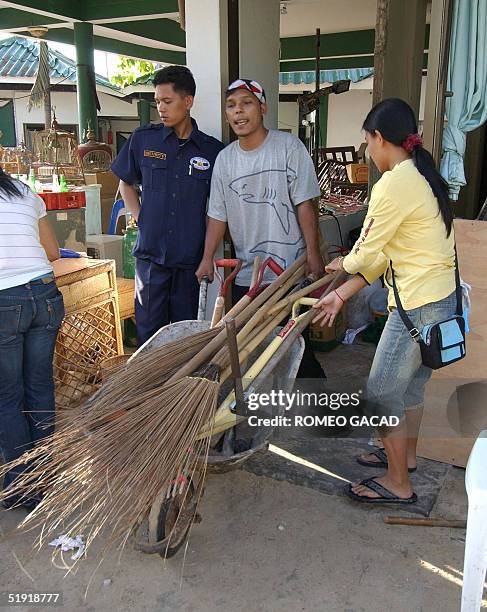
(31, 312)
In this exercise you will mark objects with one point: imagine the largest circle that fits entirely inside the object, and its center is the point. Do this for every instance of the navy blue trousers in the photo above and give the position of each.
(162, 296)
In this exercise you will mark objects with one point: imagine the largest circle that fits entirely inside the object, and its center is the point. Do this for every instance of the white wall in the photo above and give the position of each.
(259, 49)
(288, 116)
(207, 55)
(346, 114)
(65, 106)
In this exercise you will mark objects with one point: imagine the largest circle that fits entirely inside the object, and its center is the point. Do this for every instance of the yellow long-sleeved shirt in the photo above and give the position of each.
(404, 227)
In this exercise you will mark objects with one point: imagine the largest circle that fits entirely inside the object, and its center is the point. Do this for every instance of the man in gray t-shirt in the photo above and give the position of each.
(263, 186)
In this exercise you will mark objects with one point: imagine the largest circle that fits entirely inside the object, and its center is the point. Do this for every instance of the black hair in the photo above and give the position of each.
(180, 77)
(395, 120)
(8, 187)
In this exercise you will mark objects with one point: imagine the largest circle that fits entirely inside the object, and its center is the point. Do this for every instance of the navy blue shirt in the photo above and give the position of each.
(175, 179)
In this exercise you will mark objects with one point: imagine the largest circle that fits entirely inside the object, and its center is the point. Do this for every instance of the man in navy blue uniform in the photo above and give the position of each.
(173, 163)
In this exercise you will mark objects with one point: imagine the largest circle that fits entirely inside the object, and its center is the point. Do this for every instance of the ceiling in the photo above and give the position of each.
(302, 17)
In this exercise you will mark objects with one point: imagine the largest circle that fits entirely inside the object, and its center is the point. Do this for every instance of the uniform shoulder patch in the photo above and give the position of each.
(155, 154)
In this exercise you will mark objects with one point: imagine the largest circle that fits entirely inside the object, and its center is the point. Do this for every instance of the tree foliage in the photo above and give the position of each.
(129, 70)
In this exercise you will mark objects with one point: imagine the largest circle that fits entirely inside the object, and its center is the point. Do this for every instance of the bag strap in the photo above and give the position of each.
(414, 331)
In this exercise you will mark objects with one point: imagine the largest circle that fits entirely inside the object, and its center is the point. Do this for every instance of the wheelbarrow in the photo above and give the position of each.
(169, 520)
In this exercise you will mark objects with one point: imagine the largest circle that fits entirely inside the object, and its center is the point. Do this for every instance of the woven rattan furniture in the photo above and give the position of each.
(90, 332)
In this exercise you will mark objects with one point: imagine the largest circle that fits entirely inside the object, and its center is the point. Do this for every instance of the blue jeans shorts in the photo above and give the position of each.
(398, 377)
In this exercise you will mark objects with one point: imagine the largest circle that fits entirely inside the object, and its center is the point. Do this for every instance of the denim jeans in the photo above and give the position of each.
(30, 317)
(398, 377)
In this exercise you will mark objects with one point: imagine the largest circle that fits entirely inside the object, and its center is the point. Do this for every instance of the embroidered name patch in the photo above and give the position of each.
(199, 163)
(156, 154)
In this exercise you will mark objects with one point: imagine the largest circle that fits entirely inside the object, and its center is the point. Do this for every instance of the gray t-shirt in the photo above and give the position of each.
(257, 192)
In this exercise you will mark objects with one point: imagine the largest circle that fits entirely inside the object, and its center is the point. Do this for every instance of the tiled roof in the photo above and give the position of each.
(19, 57)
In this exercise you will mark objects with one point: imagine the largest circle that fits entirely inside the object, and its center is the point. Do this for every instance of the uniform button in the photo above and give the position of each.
(170, 232)
(172, 213)
(176, 176)
(173, 195)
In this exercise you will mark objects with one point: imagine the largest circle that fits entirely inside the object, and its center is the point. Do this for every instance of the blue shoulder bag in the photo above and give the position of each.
(441, 343)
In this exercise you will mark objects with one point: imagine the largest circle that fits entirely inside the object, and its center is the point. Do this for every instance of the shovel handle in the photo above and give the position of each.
(236, 264)
(257, 287)
(202, 298)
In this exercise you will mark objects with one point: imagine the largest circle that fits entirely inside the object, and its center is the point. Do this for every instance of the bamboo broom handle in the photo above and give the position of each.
(255, 270)
(217, 311)
(215, 344)
(262, 325)
(278, 347)
(288, 300)
(257, 318)
(249, 347)
(425, 522)
(262, 312)
(301, 293)
(246, 300)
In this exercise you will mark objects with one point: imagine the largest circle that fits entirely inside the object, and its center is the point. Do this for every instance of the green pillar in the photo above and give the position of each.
(323, 120)
(85, 74)
(143, 108)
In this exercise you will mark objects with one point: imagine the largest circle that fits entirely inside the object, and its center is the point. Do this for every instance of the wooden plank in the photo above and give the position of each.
(455, 401)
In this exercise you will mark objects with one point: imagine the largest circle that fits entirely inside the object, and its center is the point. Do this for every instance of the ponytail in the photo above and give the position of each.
(426, 166)
(395, 120)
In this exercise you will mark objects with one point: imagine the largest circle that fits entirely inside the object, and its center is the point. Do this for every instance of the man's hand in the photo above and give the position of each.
(206, 268)
(315, 266)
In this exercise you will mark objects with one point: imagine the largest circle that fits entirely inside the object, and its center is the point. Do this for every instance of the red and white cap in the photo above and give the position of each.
(252, 86)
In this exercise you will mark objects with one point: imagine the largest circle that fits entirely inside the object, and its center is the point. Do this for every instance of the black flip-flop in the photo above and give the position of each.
(386, 496)
(382, 463)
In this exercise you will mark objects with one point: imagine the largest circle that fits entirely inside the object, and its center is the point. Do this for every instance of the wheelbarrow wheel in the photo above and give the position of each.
(174, 520)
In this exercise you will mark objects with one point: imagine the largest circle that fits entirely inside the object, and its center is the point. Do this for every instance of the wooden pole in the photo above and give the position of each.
(317, 111)
(424, 522)
(437, 75)
(47, 109)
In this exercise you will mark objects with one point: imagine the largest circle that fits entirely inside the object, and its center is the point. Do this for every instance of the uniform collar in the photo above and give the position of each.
(195, 134)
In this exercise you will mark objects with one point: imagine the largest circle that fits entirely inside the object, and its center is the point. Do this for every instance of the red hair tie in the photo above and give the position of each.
(413, 140)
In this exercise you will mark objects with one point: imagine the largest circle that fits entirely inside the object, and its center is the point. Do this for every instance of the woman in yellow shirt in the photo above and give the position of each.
(408, 226)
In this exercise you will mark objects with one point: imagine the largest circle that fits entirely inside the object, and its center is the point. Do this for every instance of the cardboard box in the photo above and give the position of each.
(358, 173)
(108, 181)
(324, 339)
(69, 225)
(126, 297)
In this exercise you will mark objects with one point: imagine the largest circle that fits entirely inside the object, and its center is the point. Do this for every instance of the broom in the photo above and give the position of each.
(224, 417)
(111, 477)
(162, 361)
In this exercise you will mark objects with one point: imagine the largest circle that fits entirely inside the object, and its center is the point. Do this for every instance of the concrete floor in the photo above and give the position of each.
(265, 546)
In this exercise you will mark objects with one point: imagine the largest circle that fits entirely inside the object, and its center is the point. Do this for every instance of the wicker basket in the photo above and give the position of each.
(110, 366)
(90, 333)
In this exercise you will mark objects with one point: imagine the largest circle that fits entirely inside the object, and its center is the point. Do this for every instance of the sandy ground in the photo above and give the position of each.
(266, 546)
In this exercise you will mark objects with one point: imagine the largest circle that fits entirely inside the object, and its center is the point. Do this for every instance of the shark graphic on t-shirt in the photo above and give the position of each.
(249, 190)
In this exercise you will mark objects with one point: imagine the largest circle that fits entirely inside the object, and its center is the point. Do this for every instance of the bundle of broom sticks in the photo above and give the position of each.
(145, 431)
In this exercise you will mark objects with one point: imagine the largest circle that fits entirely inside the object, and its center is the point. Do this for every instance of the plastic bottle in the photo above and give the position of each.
(32, 182)
(63, 186)
(55, 183)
